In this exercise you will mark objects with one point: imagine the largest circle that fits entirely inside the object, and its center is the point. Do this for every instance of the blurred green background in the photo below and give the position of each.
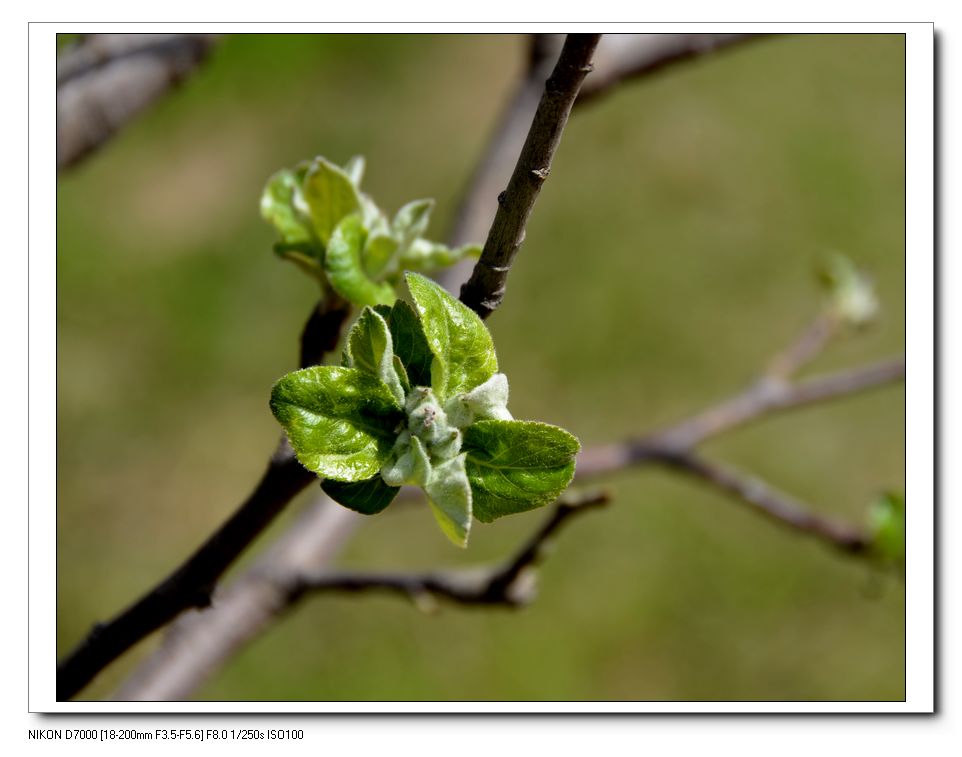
(670, 254)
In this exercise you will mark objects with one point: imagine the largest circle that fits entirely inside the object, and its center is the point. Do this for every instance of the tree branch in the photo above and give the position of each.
(773, 392)
(622, 57)
(503, 585)
(201, 641)
(806, 348)
(768, 501)
(764, 397)
(619, 58)
(484, 291)
(191, 584)
(478, 204)
(108, 79)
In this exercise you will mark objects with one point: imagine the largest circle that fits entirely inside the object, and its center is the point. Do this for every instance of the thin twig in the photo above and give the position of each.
(108, 79)
(502, 585)
(764, 499)
(804, 349)
(200, 642)
(622, 57)
(485, 289)
(760, 399)
(191, 584)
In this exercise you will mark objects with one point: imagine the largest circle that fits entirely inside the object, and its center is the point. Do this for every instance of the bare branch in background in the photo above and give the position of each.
(484, 291)
(480, 201)
(293, 569)
(773, 392)
(200, 642)
(619, 58)
(622, 57)
(770, 502)
(674, 446)
(760, 399)
(806, 348)
(108, 79)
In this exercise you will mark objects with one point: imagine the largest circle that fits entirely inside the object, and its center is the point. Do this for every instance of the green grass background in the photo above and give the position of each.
(670, 254)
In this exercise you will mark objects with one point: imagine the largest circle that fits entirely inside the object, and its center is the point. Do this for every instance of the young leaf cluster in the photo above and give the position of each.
(419, 400)
(337, 234)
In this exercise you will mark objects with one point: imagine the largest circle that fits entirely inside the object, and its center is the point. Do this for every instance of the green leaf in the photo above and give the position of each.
(369, 342)
(411, 222)
(378, 252)
(331, 196)
(449, 494)
(410, 344)
(340, 421)
(887, 523)
(278, 209)
(367, 497)
(344, 270)
(515, 466)
(370, 348)
(463, 351)
(423, 255)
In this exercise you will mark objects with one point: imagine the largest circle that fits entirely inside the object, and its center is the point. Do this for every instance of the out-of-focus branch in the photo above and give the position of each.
(200, 642)
(768, 501)
(191, 584)
(479, 201)
(108, 79)
(619, 58)
(806, 347)
(773, 392)
(484, 291)
(622, 57)
(764, 397)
